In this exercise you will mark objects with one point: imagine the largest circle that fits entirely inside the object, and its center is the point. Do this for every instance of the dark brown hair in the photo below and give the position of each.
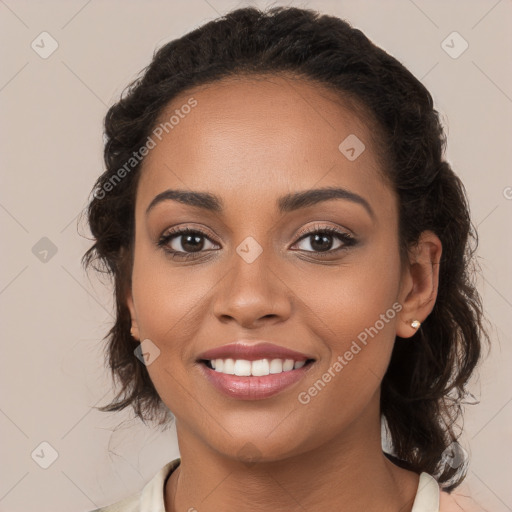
(425, 383)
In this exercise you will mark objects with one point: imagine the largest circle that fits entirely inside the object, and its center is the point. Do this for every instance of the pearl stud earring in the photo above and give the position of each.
(415, 324)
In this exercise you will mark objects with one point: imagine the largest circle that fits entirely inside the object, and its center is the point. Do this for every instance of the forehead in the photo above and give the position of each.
(255, 138)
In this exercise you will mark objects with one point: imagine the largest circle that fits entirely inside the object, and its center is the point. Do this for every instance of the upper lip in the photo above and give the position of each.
(252, 352)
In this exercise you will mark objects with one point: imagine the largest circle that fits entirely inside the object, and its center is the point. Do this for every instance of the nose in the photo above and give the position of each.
(253, 294)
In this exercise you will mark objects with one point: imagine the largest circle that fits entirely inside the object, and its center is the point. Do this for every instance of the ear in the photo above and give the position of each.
(129, 302)
(419, 283)
(126, 264)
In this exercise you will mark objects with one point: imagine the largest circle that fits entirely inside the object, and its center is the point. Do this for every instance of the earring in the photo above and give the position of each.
(131, 332)
(415, 324)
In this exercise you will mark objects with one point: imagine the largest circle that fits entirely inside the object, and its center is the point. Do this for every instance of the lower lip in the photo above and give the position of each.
(253, 388)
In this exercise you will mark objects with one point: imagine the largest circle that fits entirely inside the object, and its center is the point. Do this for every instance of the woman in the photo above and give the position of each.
(291, 256)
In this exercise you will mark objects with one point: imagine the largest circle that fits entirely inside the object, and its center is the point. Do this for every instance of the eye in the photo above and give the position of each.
(184, 242)
(321, 240)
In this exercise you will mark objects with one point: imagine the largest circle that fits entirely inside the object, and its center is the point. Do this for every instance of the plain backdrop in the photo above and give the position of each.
(54, 316)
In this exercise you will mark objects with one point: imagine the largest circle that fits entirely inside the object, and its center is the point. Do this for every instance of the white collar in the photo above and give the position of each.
(427, 495)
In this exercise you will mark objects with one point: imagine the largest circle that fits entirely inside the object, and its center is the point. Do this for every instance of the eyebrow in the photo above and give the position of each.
(287, 203)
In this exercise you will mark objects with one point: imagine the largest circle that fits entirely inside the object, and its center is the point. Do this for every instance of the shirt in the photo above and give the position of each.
(429, 497)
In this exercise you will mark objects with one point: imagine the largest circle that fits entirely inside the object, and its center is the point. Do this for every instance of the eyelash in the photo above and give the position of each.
(348, 241)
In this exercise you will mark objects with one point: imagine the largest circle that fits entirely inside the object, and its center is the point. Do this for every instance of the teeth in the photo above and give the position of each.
(276, 366)
(288, 365)
(242, 368)
(229, 366)
(259, 368)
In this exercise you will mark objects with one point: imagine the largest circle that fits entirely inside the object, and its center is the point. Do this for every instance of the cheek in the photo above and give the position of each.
(354, 311)
(170, 303)
(351, 297)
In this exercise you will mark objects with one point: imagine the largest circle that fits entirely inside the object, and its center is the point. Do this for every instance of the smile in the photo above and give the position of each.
(254, 380)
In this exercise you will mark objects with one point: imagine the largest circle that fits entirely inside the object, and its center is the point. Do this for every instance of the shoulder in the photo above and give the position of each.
(457, 501)
(130, 504)
(150, 498)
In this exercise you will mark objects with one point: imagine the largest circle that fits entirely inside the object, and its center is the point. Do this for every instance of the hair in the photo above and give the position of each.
(423, 389)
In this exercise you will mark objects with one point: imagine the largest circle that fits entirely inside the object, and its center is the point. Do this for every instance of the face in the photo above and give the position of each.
(267, 261)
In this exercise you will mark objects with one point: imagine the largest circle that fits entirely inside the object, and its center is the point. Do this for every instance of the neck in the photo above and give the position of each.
(350, 470)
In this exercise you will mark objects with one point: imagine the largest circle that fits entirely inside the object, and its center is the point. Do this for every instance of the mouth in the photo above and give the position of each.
(253, 372)
(254, 380)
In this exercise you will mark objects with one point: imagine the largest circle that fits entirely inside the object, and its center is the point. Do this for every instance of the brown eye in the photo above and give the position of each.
(323, 240)
(184, 242)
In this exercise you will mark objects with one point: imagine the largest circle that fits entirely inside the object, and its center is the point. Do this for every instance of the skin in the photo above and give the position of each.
(251, 141)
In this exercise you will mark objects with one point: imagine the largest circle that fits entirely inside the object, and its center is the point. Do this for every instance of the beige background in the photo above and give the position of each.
(54, 316)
